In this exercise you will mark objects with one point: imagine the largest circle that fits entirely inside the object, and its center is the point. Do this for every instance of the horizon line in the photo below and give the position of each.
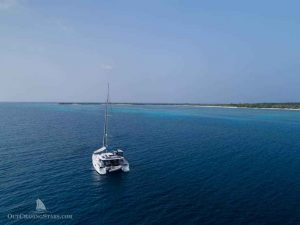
(150, 103)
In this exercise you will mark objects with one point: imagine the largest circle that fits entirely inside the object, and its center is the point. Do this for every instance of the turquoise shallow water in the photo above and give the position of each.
(189, 165)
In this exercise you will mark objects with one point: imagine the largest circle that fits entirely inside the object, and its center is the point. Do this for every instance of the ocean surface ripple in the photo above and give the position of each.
(189, 165)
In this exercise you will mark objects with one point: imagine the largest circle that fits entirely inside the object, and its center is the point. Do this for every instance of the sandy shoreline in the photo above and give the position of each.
(237, 107)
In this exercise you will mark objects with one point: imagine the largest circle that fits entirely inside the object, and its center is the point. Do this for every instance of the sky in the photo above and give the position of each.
(150, 51)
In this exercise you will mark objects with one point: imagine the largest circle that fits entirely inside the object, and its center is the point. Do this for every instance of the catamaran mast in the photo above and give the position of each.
(105, 144)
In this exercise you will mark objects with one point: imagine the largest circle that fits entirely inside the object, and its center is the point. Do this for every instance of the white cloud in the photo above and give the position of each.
(106, 67)
(62, 25)
(8, 4)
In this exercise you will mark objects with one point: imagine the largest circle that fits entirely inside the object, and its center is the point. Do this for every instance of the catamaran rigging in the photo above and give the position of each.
(104, 160)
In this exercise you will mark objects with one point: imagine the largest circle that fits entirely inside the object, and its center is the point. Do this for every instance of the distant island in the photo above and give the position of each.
(288, 105)
(266, 105)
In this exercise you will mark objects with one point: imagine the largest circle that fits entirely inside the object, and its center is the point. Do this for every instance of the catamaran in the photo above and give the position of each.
(105, 161)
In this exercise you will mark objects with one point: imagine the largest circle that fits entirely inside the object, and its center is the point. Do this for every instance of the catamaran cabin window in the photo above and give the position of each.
(115, 162)
(112, 162)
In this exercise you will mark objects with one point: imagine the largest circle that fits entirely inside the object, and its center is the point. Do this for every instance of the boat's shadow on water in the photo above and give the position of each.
(116, 177)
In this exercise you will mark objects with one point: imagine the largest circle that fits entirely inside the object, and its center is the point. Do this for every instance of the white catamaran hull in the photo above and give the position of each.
(101, 169)
(97, 165)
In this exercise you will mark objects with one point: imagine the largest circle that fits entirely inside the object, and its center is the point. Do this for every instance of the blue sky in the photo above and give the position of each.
(150, 51)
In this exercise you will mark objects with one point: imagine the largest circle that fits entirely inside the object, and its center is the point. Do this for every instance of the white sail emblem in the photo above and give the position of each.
(40, 206)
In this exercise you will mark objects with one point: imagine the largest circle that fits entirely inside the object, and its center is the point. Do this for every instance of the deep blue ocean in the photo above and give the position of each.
(189, 165)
